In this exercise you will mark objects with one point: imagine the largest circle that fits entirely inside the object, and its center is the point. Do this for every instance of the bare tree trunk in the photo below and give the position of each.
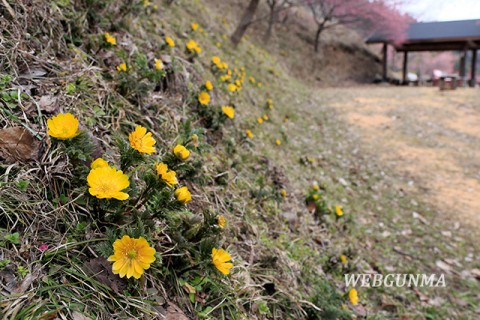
(271, 21)
(245, 22)
(317, 37)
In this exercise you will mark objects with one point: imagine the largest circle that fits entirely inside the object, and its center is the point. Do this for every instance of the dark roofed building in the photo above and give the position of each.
(461, 36)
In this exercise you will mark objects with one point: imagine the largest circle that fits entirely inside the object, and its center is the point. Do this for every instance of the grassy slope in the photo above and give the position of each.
(286, 261)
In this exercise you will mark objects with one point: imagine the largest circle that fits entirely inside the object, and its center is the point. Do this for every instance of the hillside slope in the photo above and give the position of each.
(343, 59)
(266, 182)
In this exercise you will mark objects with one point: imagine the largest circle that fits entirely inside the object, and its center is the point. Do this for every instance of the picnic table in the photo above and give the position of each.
(448, 82)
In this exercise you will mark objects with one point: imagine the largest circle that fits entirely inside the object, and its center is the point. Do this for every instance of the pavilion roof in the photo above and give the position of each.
(437, 36)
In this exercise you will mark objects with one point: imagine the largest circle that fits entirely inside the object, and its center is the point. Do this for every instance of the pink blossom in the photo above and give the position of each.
(43, 247)
(369, 17)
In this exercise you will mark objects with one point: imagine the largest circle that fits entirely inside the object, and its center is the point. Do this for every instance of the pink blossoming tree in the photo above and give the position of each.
(367, 16)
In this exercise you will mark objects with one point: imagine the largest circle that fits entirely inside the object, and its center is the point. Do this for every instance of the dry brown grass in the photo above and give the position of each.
(426, 135)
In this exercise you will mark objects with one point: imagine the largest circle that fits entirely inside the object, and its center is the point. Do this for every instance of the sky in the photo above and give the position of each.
(442, 10)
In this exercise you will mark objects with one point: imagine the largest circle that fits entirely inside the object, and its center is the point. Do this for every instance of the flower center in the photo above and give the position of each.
(106, 188)
(132, 254)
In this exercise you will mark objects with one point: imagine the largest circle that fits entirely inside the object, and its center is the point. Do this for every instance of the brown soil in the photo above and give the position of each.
(432, 138)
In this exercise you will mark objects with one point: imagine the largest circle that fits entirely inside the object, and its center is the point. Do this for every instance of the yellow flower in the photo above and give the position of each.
(110, 39)
(220, 259)
(218, 44)
(192, 46)
(221, 221)
(315, 197)
(216, 60)
(158, 64)
(265, 117)
(142, 141)
(339, 210)
(146, 3)
(232, 87)
(249, 133)
(224, 65)
(343, 259)
(183, 195)
(122, 67)
(209, 85)
(63, 126)
(270, 103)
(181, 152)
(283, 193)
(194, 26)
(204, 98)
(316, 187)
(106, 182)
(353, 296)
(170, 42)
(194, 139)
(228, 111)
(169, 176)
(259, 120)
(251, 79)
(99, 163)
(278, 142)
(259, 84)
(131, 257)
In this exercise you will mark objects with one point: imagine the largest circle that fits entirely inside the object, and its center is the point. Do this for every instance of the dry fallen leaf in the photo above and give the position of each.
(423, 297)
(35, 72)
(25, 284)
(48, 104)
(444, 266)
(418, 216)
(17, 144)
(476, 273)
(7, 278)
(79, 316)
(166, 58)
(436, 301)
(174, 313)
(359, 310)
(102, 269)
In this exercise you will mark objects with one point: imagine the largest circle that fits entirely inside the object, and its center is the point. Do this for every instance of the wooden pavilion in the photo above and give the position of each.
(460, 36)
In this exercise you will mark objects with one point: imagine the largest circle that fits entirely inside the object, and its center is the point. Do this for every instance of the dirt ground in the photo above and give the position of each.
(431, 138)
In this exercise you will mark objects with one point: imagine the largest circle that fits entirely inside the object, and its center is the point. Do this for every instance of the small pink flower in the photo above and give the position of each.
(43, 247)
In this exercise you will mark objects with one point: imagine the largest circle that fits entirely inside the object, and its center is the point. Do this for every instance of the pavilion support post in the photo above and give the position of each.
(405, 67)
(463, 64)
(473, 70)
(463, 68)
(384, 50)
